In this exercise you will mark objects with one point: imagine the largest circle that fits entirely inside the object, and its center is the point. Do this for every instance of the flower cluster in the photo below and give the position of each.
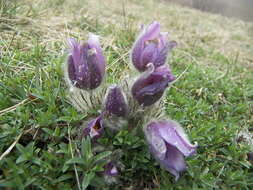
(139, 101)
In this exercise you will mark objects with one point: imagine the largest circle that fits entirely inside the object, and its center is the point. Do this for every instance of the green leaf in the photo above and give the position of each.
(101, 156)
(29, 182)
(86, 149)
(20, 148)
(63, 178)
(48, 131)
(21, 158)
(57, 132)
(75, 161)
(36, 161)
(65, 167)
(87, 179)
(99, 167)
(5, 183)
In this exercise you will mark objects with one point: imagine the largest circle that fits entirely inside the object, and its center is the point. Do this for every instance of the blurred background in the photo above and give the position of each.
(233, 8)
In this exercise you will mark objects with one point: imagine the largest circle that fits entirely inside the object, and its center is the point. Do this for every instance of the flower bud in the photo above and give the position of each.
(169, 144)
(115, 102)
(86, 63)
(152, 46)
(149, 88)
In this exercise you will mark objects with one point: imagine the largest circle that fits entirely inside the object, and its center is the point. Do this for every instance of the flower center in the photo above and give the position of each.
(155, 41)
(97, 126)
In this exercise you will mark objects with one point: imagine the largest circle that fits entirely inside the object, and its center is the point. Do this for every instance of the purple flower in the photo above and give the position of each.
(94, 128)
(150, 86)
(152, 46)
(111, 170)
(169, 144)
(115, 102)
(86, 63)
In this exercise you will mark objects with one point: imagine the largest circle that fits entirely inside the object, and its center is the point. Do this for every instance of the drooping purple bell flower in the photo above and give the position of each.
(86, 63)
(111, 170)
(152, 46)
(115, 102)
(94, 128)
(149, 88)
(169, 144)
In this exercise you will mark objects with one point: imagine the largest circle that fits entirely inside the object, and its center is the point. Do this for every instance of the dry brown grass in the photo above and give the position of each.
(54, 21)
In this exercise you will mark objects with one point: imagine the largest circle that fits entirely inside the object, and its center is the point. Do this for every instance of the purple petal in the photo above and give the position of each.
(93, 42)
(149, 88)
(152, 31)
(172, 44)
(174, 161)
(166, 71)
(174, 135)
(82, 73)
(161, 57)
(168, 156)
(152, 46)
(149, 33)
(94, 128)
(71, 69)
(86, 67)
(75, 51)
(111, 170)
(149, 54)
(94, 76)
(136, 55)
(164, 49)
(176, 143)
(72, 43)
(115, 102)
(163, 39)
(157, 144)
(81, 67)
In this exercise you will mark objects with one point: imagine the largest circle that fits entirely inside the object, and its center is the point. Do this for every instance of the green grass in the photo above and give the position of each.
(213, 98)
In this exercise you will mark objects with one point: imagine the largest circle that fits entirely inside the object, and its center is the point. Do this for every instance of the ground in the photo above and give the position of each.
(212, 98)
